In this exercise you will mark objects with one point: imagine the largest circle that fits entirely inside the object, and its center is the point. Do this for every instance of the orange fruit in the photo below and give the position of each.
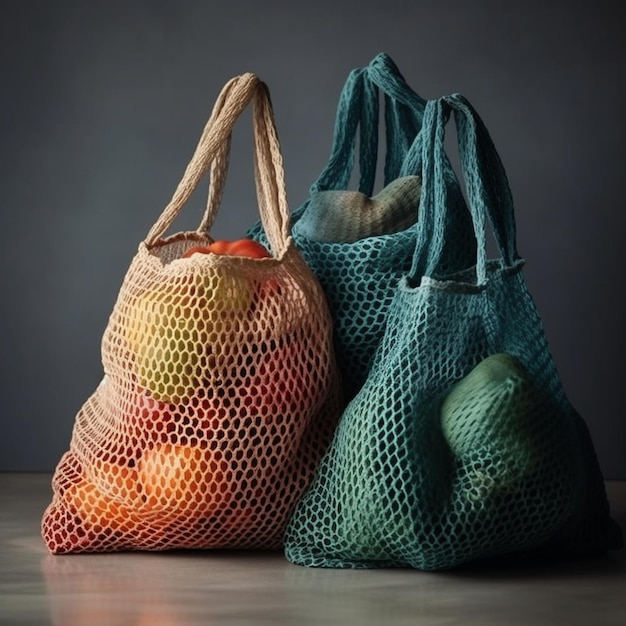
(185, 480)
(97, 511)
(115, 480)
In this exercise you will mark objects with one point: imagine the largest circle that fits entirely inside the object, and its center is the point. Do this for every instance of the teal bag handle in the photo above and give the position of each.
(404, 109)
(481, 164)
(488, 192)
(384, 73)
(358, 110)
(352, 112)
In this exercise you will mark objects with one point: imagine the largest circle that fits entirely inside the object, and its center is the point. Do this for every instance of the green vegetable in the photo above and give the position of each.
(489, 420)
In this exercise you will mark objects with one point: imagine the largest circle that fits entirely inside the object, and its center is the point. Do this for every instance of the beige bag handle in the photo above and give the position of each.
(212, 153)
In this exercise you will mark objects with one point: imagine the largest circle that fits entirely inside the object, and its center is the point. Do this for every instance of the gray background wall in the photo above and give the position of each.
(103, 102)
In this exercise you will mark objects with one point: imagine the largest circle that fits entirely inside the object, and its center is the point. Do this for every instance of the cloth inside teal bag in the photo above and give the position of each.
(461, 444)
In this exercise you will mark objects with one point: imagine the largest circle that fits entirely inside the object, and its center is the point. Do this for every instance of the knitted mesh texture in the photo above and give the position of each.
(219, 397)
(460, 445)
(360, 275)
(359, 244)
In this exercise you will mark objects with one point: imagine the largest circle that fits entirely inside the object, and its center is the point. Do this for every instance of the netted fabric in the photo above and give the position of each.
(220, 390)
(359, 244)
(359, 280)
(461, 444)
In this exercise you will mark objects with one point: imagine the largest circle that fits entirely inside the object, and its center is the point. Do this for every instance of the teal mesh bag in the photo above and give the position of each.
(461, 444)
(359, 244)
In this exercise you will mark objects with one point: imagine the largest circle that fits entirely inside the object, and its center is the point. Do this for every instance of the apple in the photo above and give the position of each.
(178, 337)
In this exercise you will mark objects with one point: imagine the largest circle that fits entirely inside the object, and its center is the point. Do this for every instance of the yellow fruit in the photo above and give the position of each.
(175, 334)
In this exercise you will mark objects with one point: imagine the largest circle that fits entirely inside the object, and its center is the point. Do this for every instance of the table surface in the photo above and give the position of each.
(258, 588)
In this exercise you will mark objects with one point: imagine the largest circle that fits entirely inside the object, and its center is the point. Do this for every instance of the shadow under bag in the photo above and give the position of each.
(461, 444)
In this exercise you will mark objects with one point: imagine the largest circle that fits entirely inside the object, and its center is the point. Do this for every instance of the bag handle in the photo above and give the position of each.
(265, 135)
(383, 72)
(358, 110)
(212, 153)
(402, 99)
(219, 169)
(488, 192)
(482, 165)
(404, 109)
(270, 174)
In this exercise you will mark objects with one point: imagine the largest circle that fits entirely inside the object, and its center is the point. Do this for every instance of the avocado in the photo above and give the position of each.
(491, 420)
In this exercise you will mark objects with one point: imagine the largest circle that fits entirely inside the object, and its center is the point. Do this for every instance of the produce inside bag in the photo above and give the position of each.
(220, 390)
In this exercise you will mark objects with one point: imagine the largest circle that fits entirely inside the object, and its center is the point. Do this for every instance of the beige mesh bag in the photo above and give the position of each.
(220, 389)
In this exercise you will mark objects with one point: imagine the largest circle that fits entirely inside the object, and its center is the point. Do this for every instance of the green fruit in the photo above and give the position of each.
(179, 337)
(489, 420)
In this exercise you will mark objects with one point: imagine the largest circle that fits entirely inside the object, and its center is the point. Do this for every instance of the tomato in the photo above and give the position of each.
(244, 247)
(196, 250)
(239, 247)
(219, 246)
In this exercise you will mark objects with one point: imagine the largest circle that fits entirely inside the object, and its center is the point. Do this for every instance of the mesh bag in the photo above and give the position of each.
(359, 244)
(461, 444)
(220, 389)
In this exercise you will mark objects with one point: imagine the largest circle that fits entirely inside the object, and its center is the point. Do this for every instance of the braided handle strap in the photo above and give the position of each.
(212, 151)
(404, 111)
(488, 192)
(358, 114)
